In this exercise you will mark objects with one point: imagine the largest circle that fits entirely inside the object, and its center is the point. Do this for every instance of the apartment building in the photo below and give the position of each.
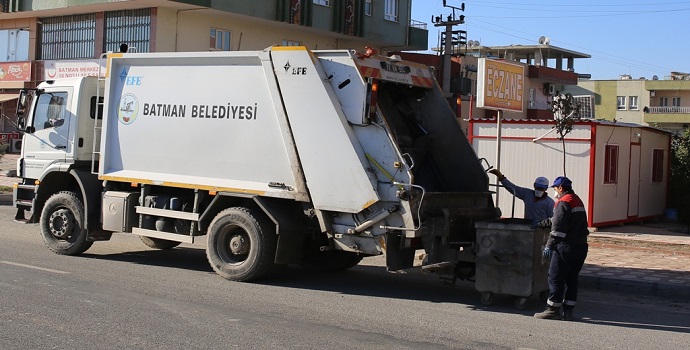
(45, 39)
(662, 103)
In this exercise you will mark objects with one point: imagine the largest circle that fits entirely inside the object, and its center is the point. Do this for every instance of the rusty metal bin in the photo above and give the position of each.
(509, 260)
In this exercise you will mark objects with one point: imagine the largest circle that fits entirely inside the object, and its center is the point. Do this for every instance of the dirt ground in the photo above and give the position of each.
(638, 244)
(8, 162)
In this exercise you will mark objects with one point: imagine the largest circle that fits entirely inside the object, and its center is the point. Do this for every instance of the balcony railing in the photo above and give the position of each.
(667, 110)
(417, 24)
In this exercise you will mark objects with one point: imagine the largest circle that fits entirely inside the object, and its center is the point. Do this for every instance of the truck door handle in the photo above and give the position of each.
(60, 147)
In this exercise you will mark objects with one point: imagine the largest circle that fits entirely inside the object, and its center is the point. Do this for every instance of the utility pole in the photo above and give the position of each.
(451, 40)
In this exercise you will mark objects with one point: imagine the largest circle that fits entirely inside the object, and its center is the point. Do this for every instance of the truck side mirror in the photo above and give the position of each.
(21, 123)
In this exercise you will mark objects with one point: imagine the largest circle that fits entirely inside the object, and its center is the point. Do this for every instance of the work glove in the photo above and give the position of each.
(497, 173)
(547, 253)
(546, 223)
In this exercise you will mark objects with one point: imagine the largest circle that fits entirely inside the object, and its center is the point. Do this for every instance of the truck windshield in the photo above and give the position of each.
(50, 110)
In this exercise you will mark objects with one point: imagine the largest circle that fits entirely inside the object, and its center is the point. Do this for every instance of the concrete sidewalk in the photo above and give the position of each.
(650, 258)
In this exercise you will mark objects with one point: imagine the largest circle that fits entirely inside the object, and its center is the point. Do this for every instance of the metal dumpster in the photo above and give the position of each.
(509, 260)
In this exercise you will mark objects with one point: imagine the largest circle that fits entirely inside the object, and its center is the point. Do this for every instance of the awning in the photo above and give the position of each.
(8, 97)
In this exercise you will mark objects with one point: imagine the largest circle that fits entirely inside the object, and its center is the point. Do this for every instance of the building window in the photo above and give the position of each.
(14, 45)
(391, 10)
(663, 101)
(291, 43)
(633, 103)
(621, 103)
(586, 104)
(131, 27)
(367, 7)
(220, 40)
(611, 164)
(323, 2)
(658, 165)
(68, 37)
(676, 102)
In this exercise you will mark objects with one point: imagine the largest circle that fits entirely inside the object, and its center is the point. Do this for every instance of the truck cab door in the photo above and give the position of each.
(47, 140)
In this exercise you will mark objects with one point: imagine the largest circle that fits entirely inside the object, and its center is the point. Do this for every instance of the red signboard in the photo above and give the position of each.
(15, 71)
(5, 137)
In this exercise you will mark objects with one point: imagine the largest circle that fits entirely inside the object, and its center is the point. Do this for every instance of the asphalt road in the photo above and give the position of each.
(122, 295)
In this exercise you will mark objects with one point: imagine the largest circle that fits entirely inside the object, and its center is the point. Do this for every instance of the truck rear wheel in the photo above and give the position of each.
(62, 224)
(158, 243)
(241, 245)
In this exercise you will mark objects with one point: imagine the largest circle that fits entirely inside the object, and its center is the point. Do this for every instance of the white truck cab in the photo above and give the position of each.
(58, 126)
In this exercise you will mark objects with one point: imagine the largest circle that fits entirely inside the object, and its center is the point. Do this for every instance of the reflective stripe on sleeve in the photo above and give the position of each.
(578, 209)
(569, 303)
(558, 234)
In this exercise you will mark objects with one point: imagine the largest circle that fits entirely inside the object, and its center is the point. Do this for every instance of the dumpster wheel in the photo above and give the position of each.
(487, 298)
(520, 302)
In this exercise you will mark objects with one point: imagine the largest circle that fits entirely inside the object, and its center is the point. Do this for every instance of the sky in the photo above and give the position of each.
(637, 37)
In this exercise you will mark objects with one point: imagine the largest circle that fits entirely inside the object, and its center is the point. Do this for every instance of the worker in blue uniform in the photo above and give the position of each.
(567, 250)
(538, 204)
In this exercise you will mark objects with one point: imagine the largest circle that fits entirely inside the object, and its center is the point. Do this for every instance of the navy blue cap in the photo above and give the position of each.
(562, 181)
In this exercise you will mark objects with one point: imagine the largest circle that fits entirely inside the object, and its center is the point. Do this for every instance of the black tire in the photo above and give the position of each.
(62, 224)
(330, 261)
(520, 303)
(241, 245)
(158, 243)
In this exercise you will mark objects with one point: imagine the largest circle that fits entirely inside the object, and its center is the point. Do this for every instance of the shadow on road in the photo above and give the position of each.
(595, 307)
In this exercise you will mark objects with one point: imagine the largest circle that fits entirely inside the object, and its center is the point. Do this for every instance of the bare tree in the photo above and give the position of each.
(566, 111)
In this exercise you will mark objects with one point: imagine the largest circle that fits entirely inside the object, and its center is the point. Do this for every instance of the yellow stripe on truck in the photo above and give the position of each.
(289, 48)
(183, 185)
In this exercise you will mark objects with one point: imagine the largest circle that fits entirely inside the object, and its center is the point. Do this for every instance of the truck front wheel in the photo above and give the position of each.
(62, 224)
(241, 245)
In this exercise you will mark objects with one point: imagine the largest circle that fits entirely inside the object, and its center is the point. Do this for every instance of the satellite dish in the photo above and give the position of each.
(655, 77)
(476, 43)
(544, 40)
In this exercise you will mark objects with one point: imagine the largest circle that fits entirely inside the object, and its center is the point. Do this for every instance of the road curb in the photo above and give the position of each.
(662, 290)
(6, 199)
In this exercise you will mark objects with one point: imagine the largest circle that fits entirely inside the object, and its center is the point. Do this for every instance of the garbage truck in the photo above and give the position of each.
(278, 156)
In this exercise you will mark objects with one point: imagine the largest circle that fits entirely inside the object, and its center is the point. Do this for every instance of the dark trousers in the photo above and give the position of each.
(566, 263)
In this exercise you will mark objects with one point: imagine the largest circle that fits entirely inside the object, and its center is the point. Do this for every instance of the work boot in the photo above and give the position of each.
(568, 314)
(551, 313)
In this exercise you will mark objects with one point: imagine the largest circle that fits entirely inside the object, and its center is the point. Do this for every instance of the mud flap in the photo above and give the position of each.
(397, 256)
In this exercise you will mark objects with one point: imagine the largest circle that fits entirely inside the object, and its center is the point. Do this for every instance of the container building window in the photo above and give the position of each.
(633, 103)
(611, 164)
(657, 165)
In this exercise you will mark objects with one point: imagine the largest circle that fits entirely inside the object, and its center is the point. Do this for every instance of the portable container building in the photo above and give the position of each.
(620, 170)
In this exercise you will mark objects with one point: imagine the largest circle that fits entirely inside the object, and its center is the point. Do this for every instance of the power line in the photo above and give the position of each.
(613, 59)
(617, 14)
(598, 4)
